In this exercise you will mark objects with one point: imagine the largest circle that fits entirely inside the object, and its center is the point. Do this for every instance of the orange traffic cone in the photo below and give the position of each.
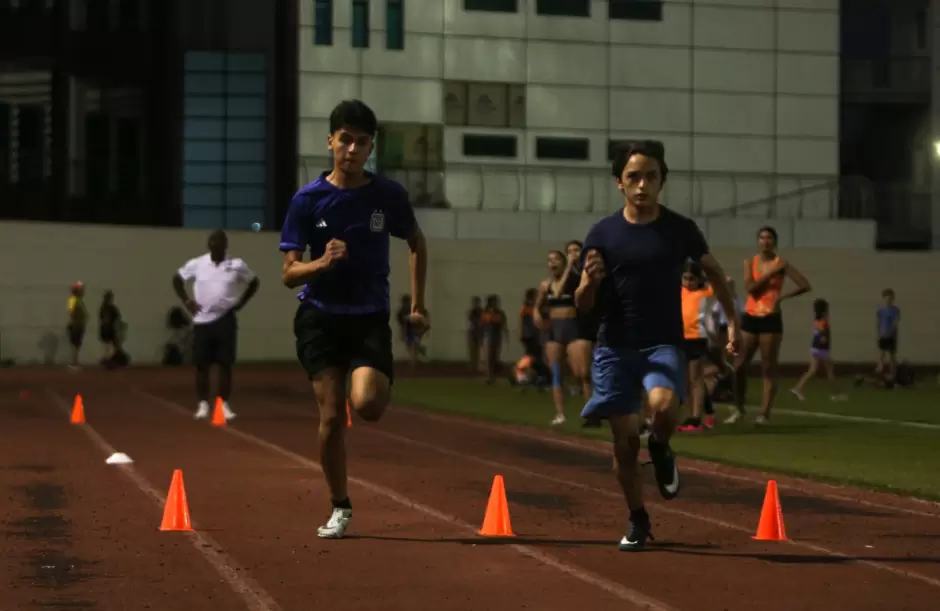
(176, 509)
(78, 411)
(771, 526)
(496, 521)
(218, 414)
(348, 416)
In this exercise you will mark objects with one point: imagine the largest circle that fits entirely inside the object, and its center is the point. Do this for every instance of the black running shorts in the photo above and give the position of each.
(343, 341)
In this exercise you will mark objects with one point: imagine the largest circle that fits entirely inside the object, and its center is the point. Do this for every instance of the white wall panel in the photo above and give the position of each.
(659, 111)
(422, 57)
(733, 28)
(459, 21)
(734, 71)
(567, 63)
(484, 59)
(675, 28)
(312, 134)
(808, 74)
(564, 107)
(335, 59)
(721, 113)
(733, 155)
(652, 67)
(319, 93)
(808, 31)
(808, 157)
(428, 19)
(404, 100)
(544, 27)
(805, 116)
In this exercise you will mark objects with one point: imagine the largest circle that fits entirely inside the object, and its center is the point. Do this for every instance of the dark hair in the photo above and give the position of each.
(694, 268)
(627, 149)
(531, 294)
(820, 308)
(769, 230)
(574, 243)
(557, 252)
(355, 114)
(887, 293)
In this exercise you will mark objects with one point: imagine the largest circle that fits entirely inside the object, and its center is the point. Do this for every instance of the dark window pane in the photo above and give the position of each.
(564, 8)
(638, 10)
(360, 26)
(498, 6)
(6, 137)
(395, 24)
(562, 148)
(32, 144)
(323, 22)
(128, 155)
(480, 145)
(97, 155)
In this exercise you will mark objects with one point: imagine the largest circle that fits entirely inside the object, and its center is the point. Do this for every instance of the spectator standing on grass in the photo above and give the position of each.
(819, 352)
(109, 327)
(888, 317)
(221, 287)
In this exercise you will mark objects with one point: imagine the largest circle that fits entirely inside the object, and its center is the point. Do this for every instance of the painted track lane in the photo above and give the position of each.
(264, 511)
(78, 534)
(584, 523)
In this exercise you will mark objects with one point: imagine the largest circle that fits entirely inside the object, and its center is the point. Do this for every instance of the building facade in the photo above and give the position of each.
(514, 104)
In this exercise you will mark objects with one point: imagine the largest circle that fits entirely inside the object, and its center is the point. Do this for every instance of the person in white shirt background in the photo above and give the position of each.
(221, 286)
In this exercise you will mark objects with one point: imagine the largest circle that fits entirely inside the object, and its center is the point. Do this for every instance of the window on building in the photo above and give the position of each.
(323, 22)
(492, 6)
(489, 145)
(484, 104)
(360, 24)
(562, 148)
(920, 28)
(32, 145)
(564, 8)
(395, 24)
(224, 140)
(129, 14)
(636, 10)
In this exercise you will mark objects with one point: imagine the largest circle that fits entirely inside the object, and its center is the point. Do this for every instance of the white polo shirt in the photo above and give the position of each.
(216, 288)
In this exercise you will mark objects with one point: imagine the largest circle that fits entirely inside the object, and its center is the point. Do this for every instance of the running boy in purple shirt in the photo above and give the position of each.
(633, 262)
(342, 327)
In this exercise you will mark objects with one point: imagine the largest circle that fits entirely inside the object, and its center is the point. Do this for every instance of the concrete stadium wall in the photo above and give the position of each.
(39, 261)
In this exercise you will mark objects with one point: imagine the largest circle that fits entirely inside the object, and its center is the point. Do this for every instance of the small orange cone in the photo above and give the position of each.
(348, 416)
(496, 521)
(218, 415)
(78, 411)
(771, 527)
(176, 509)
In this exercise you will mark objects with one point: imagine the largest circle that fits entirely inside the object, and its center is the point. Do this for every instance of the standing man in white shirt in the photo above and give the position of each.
(219, 291)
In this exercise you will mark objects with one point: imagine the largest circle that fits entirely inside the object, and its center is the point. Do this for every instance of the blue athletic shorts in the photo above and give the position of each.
(620, 375)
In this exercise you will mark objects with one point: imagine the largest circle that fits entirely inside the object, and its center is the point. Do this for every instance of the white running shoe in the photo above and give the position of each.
(227, 411)
(558, 420)
(335, 528)
(203, 412)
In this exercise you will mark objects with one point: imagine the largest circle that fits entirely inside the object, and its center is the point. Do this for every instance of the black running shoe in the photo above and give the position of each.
(664, 465)
(637, 534)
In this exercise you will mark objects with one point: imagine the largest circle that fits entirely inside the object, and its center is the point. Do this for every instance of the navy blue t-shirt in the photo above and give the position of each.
(364, 218)
(640, 299)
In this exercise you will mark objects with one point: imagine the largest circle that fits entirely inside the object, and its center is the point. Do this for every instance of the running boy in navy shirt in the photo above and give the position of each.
(633, 262)
(345, 218)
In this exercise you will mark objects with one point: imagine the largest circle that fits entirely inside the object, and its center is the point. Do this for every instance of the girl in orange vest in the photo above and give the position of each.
(697, 300)
(762, 321)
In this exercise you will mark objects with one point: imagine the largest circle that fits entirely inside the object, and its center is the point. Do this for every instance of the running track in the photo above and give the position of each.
(81, 534)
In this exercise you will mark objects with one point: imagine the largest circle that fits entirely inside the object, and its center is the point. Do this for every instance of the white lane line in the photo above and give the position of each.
(811, 489)
(659, 506)
(638, 599)
(254, 596)
(800, 413)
